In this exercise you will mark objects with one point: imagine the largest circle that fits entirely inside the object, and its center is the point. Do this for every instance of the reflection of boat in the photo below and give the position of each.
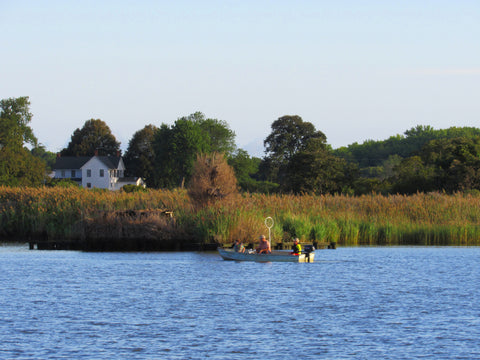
(275, 256)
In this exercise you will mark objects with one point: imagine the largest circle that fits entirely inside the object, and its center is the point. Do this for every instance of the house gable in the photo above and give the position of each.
(97, 173)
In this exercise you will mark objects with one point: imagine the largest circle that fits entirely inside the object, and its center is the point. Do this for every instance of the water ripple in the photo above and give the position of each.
(361, 303)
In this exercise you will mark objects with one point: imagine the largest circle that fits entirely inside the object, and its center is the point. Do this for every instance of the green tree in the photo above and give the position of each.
(372, 153)
(247, 173)
(315, 170)
(457, 162)
(290, 135)
(220, 137)
(95, 135)
(412, 175)
(176, 147)
(18, 167)
(140, 157)
(49, 157)
(14, 119)
(374, 158)
(442, 165)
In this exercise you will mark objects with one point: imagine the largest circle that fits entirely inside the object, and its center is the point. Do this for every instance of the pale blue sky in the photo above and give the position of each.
(357, 70)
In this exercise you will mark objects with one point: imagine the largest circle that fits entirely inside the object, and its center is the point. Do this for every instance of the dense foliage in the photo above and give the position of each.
(373, 153)
(297, 157)
(176, 147)
(18, 166)
(423, 159)
(140, 157)
(94, 137)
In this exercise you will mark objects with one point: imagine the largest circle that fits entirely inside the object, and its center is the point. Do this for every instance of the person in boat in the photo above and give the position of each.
(296, 248)
(264, 247)
(238, 246)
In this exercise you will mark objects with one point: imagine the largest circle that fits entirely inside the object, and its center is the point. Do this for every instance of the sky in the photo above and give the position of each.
(357, 70)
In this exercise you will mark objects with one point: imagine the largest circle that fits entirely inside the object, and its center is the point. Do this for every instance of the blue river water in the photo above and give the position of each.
(352, 303)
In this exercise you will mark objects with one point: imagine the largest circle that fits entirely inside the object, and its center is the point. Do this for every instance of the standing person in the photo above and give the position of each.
(264, 247)
(238, 247)
(296, 248)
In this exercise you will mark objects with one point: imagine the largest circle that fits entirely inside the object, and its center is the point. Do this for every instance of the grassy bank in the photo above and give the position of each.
(118, 220)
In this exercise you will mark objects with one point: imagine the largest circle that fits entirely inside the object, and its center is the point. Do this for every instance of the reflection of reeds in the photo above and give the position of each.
(99, 216)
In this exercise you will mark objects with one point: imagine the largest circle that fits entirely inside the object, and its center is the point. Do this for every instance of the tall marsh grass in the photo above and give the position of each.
(75, 213)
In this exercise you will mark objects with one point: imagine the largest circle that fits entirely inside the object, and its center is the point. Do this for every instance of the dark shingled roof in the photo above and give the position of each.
(71, 162)
(76, 162)
(110, 162)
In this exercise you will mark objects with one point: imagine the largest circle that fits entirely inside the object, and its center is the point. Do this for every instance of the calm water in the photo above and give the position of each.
(353, 303)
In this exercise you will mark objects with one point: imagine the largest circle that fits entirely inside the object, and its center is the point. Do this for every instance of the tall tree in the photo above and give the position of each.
(18, 167)
(176, 147)
(95, 135)
(247, 173)
(140, 157)
(457, 162)
(290, 135)
(14, 119)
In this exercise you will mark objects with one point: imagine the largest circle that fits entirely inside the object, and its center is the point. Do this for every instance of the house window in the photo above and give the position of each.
(89, 173)
(63, 173)
(102, 172)
(89, 185)
(73, 173)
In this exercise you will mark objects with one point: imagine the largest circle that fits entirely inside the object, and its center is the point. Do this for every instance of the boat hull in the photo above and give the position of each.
(275, 256)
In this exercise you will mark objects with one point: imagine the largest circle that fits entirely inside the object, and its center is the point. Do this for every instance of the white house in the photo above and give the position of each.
(103, 172)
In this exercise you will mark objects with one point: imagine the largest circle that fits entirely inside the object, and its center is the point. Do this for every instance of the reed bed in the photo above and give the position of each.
(75, 213)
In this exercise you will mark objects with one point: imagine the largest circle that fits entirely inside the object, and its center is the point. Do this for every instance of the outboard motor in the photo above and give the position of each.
(307, 249)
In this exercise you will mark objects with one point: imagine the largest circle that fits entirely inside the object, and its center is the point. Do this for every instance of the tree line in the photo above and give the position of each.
(297, 157)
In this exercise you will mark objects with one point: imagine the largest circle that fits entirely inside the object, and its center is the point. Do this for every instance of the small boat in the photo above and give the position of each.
(307, 255)
(274, 256)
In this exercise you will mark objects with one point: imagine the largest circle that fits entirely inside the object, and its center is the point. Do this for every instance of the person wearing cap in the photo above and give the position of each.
(238, 246)
(264, 247)
(296, 248)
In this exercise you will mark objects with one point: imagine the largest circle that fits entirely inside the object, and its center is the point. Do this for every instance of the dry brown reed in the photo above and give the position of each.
(422, 219)
(213, 180)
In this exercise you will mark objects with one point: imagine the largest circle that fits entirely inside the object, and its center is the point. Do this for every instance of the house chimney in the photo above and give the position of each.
(96, 152)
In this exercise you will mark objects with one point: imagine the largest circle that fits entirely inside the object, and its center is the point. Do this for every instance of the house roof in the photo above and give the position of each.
(77, 162)
(70, 162)
(110, 162)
